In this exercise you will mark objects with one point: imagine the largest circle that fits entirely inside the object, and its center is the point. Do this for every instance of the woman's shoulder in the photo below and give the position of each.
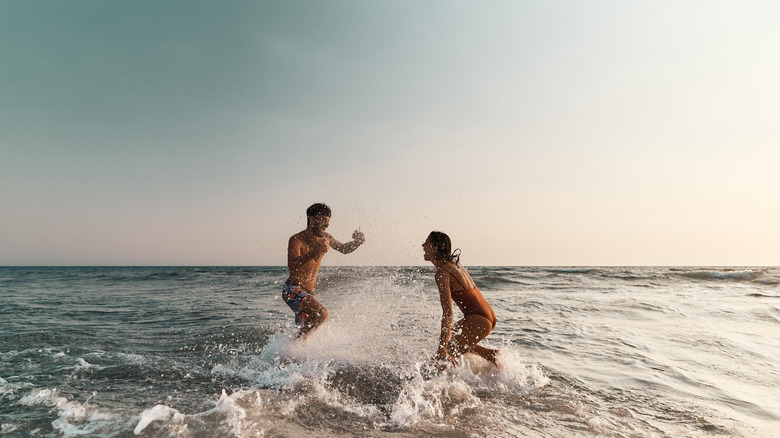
(446, 269)
(449, 267)
(461, 275)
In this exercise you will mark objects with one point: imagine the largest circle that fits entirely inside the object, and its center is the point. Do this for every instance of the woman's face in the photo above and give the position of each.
(428, 250)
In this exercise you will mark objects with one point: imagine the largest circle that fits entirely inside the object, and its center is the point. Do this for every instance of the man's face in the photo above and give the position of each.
(319, 224)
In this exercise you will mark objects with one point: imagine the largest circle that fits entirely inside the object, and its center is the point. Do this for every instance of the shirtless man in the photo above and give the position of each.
(304, 256)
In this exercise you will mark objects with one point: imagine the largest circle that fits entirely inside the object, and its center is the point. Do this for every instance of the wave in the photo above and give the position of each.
(583, 270)
(499, 282)
(758, 295)
(760, 276)
(292, 383)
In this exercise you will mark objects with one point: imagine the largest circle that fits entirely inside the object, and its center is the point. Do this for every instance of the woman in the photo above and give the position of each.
(455, 284)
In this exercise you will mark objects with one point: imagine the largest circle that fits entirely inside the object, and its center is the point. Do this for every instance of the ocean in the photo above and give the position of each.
(208, 352)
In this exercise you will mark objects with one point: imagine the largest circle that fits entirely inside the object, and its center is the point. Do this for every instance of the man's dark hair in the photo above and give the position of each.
(318, 209)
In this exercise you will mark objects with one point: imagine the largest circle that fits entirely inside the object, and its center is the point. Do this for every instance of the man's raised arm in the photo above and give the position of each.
(345, 248)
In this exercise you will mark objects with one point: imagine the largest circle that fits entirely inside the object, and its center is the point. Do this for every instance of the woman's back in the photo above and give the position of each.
(466, 295)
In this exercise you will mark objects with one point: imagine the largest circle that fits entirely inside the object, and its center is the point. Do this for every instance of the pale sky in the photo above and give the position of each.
(532, 132)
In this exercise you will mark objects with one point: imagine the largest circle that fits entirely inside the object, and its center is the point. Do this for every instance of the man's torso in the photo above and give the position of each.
(306, 274)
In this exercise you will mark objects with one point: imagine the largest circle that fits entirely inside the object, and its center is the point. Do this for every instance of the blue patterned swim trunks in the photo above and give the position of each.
(293, 295)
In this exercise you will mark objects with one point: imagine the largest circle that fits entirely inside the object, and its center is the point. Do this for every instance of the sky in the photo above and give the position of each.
(552, 133)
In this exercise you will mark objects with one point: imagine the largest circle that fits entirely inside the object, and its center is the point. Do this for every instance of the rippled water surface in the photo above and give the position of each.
(616, 352)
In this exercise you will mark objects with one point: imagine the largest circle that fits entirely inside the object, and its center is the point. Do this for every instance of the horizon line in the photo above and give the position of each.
(390, 266)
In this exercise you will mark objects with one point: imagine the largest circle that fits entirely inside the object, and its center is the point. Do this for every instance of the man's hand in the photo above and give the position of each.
(321, 245)
(358, 237)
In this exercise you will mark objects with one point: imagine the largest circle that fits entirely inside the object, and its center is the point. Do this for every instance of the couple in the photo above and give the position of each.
(304, 256)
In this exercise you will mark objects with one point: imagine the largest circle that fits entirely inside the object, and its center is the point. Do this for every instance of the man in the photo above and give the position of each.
(304, 256)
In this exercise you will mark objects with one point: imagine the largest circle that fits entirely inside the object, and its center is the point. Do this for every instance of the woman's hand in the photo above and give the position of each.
(444, 359)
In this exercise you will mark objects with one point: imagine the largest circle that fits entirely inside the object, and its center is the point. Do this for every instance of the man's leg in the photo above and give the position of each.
(313, 314)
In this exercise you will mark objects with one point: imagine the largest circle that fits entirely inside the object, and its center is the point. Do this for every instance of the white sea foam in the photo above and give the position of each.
(243, 413)
(73, 417)
(235, 414)
(7, 428)
(5, 388)
(515, 376)
(158, 413)
(328, 372)
(275, 367)
(434, 398)
(458, 389)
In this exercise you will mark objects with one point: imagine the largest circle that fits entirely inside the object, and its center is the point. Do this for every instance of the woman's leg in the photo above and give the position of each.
(490, 354)
(470, 330)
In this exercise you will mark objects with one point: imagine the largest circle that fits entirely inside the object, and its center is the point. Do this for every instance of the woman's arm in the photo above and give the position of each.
(443, 281)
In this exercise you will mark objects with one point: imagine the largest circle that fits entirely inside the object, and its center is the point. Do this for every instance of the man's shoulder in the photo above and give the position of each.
(299, 236)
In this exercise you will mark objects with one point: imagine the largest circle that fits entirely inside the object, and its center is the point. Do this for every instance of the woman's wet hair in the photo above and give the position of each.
(443, 246)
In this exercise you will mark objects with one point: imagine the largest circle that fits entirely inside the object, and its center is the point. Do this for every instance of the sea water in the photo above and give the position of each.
(209, 352)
